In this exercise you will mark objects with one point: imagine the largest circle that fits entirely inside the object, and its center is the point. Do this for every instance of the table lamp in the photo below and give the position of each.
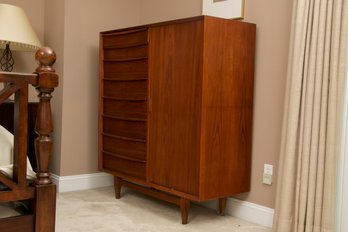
(16, 34)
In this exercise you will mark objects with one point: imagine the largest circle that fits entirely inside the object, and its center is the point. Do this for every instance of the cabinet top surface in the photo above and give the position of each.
(175, 21)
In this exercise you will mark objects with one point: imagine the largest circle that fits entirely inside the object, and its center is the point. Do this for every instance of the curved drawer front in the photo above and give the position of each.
(129, 66)
(125, 109)
(125, 38)
(123, 147)
(128, 53)
(125, 128)
(125, 90)
(124, 166)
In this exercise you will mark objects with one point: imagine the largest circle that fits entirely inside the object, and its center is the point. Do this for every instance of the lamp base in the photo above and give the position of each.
(7, 60)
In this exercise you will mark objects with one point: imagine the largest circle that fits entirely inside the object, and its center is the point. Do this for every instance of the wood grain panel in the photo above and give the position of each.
(125, 109)
(124, 166)
(44, 207)
(227, 107)
(175, 105)
(127, 66)
(6, 120)
(126, 90)
(125, 147)
(125, 38)
(18, 223)
(123, 102)
(126, 53)
(124, 128)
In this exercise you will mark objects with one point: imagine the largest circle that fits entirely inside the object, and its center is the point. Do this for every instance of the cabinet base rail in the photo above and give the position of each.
(182, 202)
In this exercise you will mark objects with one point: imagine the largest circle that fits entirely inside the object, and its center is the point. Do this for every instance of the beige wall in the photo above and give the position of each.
(272, 18)
(83, 22)
(72, 26)
(162, 10)
(54, 38)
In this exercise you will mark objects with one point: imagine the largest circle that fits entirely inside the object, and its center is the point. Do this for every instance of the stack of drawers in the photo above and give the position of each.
(124, 101)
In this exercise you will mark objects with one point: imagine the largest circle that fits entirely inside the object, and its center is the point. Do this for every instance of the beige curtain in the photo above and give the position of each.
(305, 198)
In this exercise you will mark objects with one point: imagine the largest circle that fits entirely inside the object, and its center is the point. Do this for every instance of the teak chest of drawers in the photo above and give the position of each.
(175, 109)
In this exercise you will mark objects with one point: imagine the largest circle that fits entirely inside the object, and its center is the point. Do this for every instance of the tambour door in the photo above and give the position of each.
(175, 59)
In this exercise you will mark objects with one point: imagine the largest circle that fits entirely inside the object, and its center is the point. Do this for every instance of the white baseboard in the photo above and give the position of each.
(245, 210)
(248, 211)
(82, 182)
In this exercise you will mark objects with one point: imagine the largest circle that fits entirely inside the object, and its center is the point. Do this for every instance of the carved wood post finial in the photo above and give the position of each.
(46, 58)
(47, 81)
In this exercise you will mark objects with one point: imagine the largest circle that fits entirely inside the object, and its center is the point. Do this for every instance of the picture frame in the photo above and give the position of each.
(229, 9)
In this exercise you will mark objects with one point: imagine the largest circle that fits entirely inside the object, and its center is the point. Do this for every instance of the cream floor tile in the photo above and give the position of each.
(98, 210)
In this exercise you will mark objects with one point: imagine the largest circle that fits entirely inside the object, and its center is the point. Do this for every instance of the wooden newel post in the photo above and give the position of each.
(47, 81)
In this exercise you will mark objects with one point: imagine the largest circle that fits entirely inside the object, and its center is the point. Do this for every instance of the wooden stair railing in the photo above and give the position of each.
(42, 193)
(45, 201)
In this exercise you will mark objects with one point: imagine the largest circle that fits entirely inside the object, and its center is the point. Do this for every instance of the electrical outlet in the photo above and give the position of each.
(267, 179)
(268, 169)
(267, 174)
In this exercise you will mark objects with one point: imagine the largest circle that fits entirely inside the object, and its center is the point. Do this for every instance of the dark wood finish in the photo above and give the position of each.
(47, 81)
(20, 137)
(23, 223)
(44, 207)
(6, 120)
(42, 194)
(125, 165)
(118, 186)
(182, 202)
(16, 193)
(184, 207)
(222, 205)
(16, 79)
(152, 192)
(227, 108)
(123, 39)
(175, 72)
(17, 186)
(123, 104)
(175, 108)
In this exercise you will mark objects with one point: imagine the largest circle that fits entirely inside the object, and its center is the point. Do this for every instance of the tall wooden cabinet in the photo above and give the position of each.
(175, 109)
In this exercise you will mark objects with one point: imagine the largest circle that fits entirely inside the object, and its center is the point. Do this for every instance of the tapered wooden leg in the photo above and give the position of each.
(185, 207)
(222, 205)
(117, 186)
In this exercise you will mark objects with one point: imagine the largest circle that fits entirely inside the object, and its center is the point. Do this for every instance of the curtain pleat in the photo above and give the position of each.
(308, 156)
(337, 71)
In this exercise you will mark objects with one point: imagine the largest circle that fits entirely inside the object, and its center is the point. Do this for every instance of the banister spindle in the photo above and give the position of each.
(47, 81)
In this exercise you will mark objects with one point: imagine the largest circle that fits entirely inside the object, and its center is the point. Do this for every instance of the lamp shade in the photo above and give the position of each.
(15, 29)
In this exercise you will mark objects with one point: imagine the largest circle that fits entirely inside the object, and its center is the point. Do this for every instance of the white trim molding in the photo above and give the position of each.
(247, 211)
(82, 182)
